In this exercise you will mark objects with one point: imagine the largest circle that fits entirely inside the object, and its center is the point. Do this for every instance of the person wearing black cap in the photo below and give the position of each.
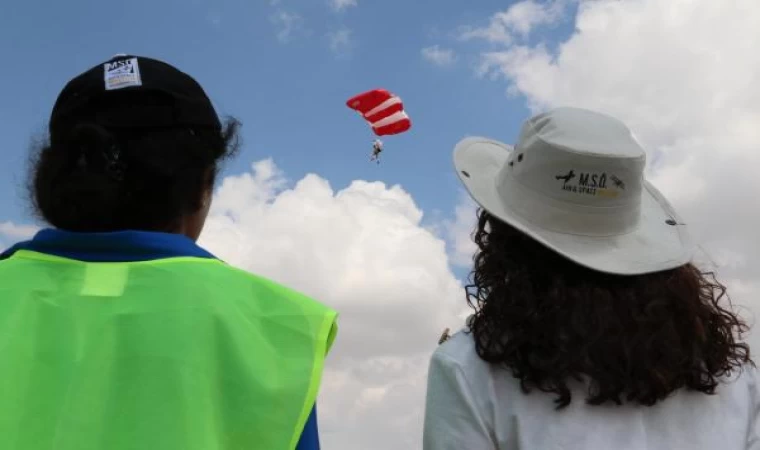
(117, 330)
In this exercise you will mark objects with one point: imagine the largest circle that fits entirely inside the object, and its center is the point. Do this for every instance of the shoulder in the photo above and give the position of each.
(458, 354)
(458, 348)
(749, 375)
(257, 283)
(458, 357)
(237, 284)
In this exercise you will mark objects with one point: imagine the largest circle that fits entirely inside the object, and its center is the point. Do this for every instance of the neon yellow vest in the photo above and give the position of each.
(174, 354)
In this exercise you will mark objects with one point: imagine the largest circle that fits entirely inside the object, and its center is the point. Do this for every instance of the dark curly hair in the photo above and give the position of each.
(633, 338)
(87, 178)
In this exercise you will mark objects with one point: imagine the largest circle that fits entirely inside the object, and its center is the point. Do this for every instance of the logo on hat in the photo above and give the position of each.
(617, 182)
(569, 176)
(590, 183)
(122, 73)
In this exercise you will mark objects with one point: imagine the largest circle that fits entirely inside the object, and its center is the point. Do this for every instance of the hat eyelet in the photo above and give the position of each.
(671, 222)
(465, 173)
(511, 164)
(520, 157)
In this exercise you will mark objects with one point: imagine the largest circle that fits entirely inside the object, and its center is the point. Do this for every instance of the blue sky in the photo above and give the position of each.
(289, 93)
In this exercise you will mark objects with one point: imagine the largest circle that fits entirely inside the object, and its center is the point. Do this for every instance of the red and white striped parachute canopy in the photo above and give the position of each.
(383, 110)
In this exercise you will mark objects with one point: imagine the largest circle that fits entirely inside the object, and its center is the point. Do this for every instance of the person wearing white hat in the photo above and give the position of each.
(592, 327)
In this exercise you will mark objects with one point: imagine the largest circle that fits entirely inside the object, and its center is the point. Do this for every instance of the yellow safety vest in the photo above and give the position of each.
(174, 354)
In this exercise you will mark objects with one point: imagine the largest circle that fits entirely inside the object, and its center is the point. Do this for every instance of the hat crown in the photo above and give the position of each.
(580, 157)
(130, 91)
(575, 160)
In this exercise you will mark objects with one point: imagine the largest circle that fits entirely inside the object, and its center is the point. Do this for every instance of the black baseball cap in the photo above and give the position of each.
(130, 91)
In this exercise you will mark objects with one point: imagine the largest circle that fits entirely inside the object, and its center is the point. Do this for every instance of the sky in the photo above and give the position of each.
(388, 245)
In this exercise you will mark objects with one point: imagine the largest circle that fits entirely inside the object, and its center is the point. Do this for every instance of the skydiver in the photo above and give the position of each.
(377, 148)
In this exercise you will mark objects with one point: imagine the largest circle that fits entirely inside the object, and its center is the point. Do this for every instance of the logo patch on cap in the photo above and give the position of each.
(122, 73)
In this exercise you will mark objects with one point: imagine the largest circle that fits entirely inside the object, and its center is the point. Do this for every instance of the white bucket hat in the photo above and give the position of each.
(575, 182)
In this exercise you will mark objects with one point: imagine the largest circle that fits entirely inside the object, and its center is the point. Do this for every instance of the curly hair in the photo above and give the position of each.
(633, 338)
(77, 183)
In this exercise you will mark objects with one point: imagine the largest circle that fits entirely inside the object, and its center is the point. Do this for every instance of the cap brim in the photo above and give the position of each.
(654, 246)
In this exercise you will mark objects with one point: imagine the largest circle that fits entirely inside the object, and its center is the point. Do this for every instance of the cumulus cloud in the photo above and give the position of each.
(11, 232)
(286, 24)
(363, 250)
(340, 5)
(458, 232)
(14, 231)
(517, 21)
(683, 74)
(340, 41)
(439, 56)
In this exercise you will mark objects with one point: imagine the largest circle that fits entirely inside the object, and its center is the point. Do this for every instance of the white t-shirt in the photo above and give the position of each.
(473, 405)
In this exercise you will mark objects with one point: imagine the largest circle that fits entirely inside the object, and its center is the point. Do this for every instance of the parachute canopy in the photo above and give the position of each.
(383, 110)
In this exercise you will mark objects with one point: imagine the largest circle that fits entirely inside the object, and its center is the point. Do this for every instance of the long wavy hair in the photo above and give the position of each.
(632, 338)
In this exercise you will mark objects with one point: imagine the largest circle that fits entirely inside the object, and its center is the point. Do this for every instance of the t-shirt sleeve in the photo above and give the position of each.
(453, 420)
(753, 440)
(310, 436)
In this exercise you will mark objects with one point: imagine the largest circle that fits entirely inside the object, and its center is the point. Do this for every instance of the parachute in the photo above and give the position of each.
(383, 110)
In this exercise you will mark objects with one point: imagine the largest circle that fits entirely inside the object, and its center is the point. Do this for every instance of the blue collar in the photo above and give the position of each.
(120, 246)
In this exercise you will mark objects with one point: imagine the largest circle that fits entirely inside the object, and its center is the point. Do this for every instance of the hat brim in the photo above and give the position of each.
(655, 245)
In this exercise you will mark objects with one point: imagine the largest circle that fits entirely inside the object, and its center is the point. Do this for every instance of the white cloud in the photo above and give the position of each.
(458, 232)
(518, 20)
(439, 56)
(362, 250)
(287, 24)
(11, 233)
(14, 231)
(683, 74)
(340, 5)
(340, 41)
